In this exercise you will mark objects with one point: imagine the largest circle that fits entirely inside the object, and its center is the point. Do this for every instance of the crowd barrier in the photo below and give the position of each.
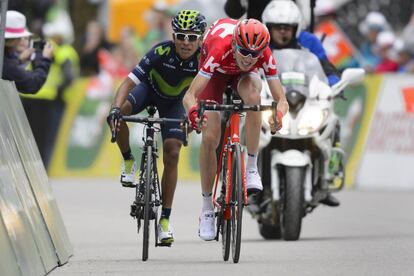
(83, 148)
(33, 238)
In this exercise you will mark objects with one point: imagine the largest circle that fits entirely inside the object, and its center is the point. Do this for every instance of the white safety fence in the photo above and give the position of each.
(33, 238)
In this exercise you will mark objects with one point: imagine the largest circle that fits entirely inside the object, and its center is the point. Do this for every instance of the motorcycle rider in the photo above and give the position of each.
(284, 21)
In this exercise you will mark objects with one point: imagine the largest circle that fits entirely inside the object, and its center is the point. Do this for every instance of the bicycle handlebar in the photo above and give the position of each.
(236, 107)
(184, 124)
(152, 120)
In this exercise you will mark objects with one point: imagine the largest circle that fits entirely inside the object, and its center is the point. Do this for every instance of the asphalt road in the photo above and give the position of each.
(371, 233)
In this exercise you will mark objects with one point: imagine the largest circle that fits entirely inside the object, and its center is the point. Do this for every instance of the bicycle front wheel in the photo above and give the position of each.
(237, 204)
(147, 200)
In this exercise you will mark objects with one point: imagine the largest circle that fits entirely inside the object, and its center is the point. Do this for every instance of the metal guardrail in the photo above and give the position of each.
(33, 238)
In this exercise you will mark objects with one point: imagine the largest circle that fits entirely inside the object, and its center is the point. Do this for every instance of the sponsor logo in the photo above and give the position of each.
(271, 64)
(160, 50)
(168, 65)
(226, 28)
(209, 65)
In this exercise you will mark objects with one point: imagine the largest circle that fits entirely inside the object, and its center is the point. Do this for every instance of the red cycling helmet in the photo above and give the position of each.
(252, 35)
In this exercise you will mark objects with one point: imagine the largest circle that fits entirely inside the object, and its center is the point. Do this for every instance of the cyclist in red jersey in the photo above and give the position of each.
(233, 51)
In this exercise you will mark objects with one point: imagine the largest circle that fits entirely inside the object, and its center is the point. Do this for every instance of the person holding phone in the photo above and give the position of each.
(15, 55)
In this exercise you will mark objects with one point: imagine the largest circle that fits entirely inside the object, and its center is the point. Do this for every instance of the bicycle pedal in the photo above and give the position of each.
(133, 212)
(128, 185)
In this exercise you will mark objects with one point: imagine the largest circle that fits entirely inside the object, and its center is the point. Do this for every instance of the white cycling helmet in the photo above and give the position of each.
(282, 12)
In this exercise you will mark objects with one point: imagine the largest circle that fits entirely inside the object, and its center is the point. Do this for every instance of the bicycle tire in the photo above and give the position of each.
(147, 199)
(237, 205)
(225, 223)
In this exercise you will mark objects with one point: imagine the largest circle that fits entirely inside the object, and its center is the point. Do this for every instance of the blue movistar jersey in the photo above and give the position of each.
(163, 70)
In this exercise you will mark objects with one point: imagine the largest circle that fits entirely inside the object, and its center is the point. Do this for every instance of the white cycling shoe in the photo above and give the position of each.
(165, 231)
(207, 227)
(253, 182)
(128, 169)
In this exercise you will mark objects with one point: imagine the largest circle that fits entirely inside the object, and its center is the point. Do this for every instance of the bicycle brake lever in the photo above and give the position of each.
(113, 132)
(274, 114)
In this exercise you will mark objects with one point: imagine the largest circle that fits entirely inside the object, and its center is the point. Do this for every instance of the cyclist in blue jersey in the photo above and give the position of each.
(284, 19)
(161, 79)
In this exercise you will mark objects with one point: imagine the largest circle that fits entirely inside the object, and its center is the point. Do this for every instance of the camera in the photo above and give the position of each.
(39, 44)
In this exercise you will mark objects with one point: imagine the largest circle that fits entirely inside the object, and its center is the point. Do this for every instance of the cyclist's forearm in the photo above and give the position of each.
(195, 89)
(278, 94)
(122, 93)
(189, 100)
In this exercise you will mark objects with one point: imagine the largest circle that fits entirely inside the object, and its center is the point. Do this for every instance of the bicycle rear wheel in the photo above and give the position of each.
(147, 199)
(237, 204)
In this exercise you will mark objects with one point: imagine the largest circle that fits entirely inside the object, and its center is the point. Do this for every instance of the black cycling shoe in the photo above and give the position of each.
(253, 204)
(330, 200)
(253, 191)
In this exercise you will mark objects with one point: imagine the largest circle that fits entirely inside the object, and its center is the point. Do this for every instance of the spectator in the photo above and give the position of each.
(384, 44)
(408, 34)
(45, 109)
(93, 41)
(325, 10)
(127, 52)
(405, 56)
(372, 25)
(26, 81)
(159, 19)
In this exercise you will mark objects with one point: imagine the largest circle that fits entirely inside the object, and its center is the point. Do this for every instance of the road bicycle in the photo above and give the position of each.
(232, 198)
(147, 190)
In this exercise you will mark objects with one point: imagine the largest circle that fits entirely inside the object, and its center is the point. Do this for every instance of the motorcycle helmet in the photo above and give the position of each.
(283, 12)
(189, 20)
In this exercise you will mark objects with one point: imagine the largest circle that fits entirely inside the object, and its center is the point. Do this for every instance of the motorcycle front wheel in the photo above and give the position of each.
(292, 203)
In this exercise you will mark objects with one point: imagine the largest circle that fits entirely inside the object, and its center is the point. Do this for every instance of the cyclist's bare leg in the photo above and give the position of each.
(122, 138)
(209, 143)
(249, 88)
(208, 165)
(171, 153)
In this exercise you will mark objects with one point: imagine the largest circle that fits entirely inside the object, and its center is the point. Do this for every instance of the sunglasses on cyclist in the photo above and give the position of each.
(245, 52)
(189, 37)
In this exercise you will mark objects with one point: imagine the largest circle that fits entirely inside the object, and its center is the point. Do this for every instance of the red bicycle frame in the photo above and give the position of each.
(231, 137)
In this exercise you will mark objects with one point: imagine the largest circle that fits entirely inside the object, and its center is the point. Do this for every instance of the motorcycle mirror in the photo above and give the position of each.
(353, 75)
(349, 76)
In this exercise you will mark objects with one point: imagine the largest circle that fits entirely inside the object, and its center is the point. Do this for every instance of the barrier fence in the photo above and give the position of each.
(33, 238)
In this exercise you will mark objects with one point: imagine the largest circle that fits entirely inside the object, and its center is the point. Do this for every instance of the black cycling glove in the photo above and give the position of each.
(114, 116)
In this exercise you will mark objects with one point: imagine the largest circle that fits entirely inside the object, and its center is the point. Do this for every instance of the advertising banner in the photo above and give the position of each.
(389, 153)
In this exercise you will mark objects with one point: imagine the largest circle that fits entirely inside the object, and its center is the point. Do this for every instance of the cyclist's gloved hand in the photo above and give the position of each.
(114, 117)
(193, 117)
(276, 127)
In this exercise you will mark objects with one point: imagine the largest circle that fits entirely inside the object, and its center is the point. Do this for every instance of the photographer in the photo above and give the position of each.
(28, 82)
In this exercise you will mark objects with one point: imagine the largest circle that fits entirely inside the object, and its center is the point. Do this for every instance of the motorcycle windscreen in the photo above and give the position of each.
(296, 85)
(299, 61)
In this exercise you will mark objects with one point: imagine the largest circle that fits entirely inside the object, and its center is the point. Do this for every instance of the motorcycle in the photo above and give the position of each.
(303, 162)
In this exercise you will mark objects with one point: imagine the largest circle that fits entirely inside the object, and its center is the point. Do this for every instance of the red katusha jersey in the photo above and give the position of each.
(217, 52)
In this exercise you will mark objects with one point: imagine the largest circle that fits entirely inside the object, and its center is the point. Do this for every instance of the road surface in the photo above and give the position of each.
(371, 233)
